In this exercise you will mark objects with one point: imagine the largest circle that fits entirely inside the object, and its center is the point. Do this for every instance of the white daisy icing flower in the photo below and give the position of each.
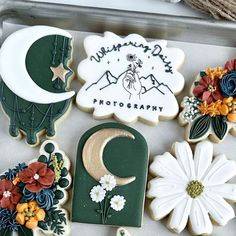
(117, 202)
(97, 193)
(108, 182)
(192, 188)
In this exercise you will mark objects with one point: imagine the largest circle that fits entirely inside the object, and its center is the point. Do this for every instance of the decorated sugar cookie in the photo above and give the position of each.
(110, 177)
(130, 78)
(32, 195)
(211, 108)
(122, 232)
(192, 188)
(34, 66)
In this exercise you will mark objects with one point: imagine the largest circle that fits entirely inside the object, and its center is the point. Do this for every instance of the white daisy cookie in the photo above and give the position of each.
(193, 188)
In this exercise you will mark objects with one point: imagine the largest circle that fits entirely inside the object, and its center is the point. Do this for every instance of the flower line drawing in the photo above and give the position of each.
(102, 194)
(131, 81)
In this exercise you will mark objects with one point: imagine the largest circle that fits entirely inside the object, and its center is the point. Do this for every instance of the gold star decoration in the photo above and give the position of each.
(59, 72)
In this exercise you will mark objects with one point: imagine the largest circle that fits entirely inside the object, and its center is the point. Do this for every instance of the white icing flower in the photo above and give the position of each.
(117, 202)
(97, 193)
(190, 111)
(192, 188)
(108, 182)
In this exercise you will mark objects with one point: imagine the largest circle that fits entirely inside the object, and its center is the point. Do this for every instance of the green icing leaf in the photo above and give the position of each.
(202, 73)
(5, 232)
(23, 231)
(55, 220)
(220, 126)
(200, 126)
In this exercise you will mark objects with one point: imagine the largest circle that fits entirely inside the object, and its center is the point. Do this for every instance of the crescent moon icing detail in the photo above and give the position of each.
(13, 69)
(92, 154)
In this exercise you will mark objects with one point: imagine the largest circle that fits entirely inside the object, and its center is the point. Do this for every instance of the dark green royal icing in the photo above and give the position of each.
(32, 118)
(202, 125)
(122, 157)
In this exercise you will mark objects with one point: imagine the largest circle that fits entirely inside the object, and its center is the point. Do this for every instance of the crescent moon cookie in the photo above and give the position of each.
(34, 66)
(210, 110)
(110, 177)
(32, 195)
(192, 188)
(130, 79)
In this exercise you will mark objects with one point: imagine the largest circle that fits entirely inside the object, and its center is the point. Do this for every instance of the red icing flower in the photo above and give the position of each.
(208, 89)
(230, 65)
(37, 177)
(9, 194)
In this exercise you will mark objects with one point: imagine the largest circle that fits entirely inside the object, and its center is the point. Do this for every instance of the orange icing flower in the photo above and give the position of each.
(214, 108)
(217, 72)
(29, 214)
(232, 108)
(203, 108)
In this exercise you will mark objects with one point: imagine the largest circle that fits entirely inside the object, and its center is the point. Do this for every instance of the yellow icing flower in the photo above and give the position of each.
(216, 72)
(29, 214)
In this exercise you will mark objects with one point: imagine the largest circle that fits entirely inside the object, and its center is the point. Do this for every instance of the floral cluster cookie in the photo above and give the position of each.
(211, 108)
(32, 195)
(192, 188)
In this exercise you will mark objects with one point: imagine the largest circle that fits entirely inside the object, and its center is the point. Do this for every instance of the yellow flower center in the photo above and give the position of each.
(211, 88)
(195, 188)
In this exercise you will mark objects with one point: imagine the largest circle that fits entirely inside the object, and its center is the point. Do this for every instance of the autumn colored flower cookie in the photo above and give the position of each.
(210, 110)
(192, 188)
(130, 79)
(31, 196)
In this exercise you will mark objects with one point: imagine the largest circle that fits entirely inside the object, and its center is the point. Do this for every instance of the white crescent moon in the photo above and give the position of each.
(93, 154)
(13, 69)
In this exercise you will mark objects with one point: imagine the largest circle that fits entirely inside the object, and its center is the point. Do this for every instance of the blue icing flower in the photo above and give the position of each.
(8, 220)
(27, 195)
(228, 84)
(45, 198)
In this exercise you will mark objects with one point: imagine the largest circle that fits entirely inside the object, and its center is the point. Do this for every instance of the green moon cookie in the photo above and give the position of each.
(110, 176)
(34, 66)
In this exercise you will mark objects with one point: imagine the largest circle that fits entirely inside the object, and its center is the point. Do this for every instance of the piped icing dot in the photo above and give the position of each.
(6, 194)
(36, 176)
(211, 88)
(195, 188)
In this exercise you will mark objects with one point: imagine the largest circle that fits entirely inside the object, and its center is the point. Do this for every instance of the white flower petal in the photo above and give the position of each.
(227, 191)
(199, 219)
(202, 158)
(167, 166)
(179, 217)
(160, 207)
(162, 187)
(221, 212)
(184, 157)
(220, 171)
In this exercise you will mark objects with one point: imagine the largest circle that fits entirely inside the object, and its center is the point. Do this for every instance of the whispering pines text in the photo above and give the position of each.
(129, 105)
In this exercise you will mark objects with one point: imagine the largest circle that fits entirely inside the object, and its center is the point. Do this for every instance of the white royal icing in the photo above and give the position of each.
(130, 78)
(13, 69)
(169, 188)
